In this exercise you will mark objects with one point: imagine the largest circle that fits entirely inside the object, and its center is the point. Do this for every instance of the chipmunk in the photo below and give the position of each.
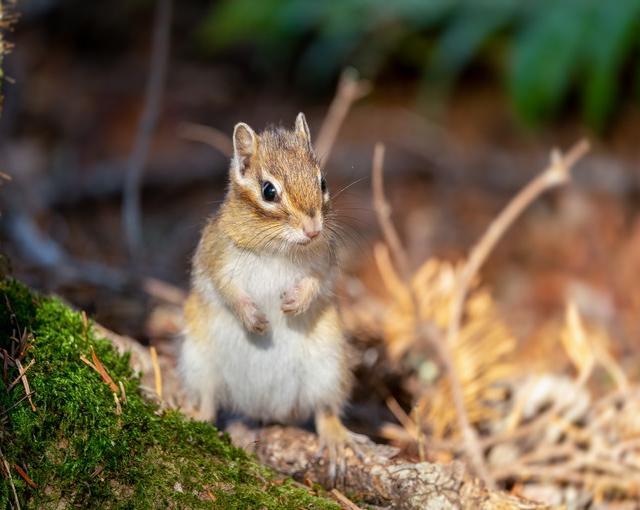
(262, 334)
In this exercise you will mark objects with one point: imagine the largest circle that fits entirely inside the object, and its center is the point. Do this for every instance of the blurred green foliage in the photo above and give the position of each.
(548, 51)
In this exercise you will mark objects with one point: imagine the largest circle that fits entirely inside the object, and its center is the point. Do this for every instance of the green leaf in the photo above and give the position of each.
(611, 39)
(469, 28)
(546, 57)
(233, 21)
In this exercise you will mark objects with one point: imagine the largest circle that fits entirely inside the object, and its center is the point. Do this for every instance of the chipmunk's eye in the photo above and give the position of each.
(269, 191)
(323, 185)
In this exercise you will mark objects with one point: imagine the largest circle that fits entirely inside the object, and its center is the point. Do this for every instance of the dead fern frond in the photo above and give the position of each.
(481, 355)
(476, 342)
(588, 346)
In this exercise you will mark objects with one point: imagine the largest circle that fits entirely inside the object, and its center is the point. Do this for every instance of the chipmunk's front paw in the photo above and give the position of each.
(253, 318)
(295, 300)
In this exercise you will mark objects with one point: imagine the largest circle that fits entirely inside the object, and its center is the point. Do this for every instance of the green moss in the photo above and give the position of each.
(81, 453)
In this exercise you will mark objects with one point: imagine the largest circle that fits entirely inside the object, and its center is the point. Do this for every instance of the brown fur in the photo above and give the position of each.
(290, 159)
(247, 223)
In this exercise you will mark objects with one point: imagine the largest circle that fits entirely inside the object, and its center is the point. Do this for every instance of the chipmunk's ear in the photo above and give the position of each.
(302, 129)
(245, 144)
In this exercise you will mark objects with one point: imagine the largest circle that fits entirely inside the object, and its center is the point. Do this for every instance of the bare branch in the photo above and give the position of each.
(383, 212)
(555, 174)
(39, 249)
(350, 90)
(131, 216)
(206, 134)
(164, 291)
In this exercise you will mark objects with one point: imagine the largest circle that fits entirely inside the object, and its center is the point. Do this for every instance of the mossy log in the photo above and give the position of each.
(377, 476)
(87, 438)
(94, 441)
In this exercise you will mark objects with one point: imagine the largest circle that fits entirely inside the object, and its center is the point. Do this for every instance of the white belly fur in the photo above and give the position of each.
(292, 369)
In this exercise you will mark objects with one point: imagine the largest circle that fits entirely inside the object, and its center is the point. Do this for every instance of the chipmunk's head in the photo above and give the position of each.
(280, 195)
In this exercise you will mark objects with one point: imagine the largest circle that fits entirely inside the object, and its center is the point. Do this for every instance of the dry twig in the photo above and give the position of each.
(5, 364)
(22, 372)
(344, 501)
(383, 212)
(131, 216)
(405, 420)
(350, 90)
(16, 404)
(555, 174)
(25, 476)
(7, 470)
(123, 393)
(102, 371)
(118, 406)
(208, 135)
(25, 383)
(157, 374)
(164, 291)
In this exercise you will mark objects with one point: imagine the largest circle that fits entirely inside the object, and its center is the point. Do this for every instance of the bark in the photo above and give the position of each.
(379, 477)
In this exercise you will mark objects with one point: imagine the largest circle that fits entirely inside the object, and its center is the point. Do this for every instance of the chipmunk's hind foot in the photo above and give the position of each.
(338, 445)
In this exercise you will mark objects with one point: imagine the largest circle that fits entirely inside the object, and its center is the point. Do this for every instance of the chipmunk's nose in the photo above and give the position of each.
(312, 226)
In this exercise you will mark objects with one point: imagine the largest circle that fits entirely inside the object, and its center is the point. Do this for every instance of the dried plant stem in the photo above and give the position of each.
(25, 476)
(383, 212)
(157, 374)
(208, 135)
(97, 365)
(164, 291)
(350, 89)
(25, 383)
(344, 501)
(21, 374)
(557, 173)
(403, 418)
(131, 216)
(7, 468)
(15, 404)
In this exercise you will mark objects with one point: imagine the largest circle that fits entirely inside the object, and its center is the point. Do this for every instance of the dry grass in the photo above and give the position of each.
(546, 434)
(468, 375)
